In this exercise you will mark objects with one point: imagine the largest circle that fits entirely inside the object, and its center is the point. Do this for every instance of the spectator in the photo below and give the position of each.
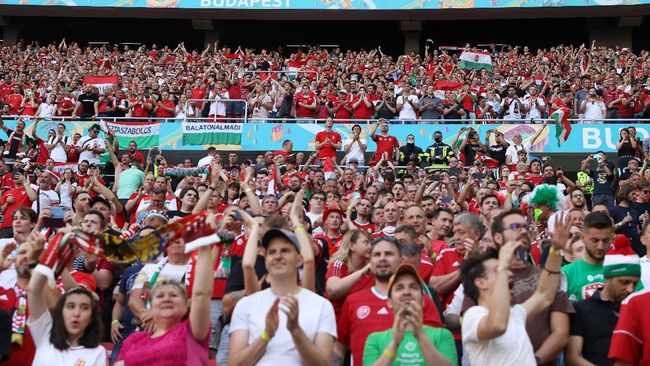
(494, 331)
(387, 145)
(308, 333)
(355, 147)
(59, 145)
(430, 106)
(87, 106)
(12, 199)
(92, 146)
(433, 345)
(327, 141)
(595, 318)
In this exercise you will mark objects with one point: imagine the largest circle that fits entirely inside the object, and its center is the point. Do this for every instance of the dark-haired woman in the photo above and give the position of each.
(71, 333)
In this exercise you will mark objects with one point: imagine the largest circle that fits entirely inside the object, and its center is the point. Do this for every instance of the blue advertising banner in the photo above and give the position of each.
(325, 4)
(269, 136)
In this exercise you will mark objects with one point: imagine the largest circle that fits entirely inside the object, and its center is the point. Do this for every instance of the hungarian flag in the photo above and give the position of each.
(101, 82)
(562, 124)
(209, 133)
(145, 134)
(475, 60)
(441, 86)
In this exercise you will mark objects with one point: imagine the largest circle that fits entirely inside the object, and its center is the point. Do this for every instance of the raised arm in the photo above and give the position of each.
(306, 242)
(550, 278)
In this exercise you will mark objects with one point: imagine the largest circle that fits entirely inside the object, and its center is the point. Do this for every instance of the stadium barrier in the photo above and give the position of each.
(197, 135)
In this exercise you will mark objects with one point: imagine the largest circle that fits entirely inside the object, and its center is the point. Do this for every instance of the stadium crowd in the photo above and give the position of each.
(473, 253)
(593, 82)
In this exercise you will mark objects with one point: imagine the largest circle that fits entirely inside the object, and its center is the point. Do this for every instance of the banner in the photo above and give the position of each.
(101, 82)
(145, 134)
(325, 5)
(211, 133)
(475, 60)
(585, 137)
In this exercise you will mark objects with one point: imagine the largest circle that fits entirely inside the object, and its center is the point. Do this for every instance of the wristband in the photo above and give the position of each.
(553, 251)
(299, 228)
(115, 321)
(389, 355)
(552, 272)
(265, 337)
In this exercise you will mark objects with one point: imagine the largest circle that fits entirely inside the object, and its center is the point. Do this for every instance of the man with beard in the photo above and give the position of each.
(578, 200)
(134, 153)
(494, 331)
(13, 298)
(80, 206)
(367, 311)
(549, 330)
(585, 275)
(595, 319)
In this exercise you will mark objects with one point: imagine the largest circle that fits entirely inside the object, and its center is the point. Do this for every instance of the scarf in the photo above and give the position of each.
(19, 318)
(183, 172)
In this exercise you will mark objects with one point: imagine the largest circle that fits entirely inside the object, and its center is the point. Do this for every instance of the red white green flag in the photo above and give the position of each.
(562, 124)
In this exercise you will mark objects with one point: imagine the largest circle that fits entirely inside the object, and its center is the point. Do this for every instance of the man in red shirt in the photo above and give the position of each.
(364, 213)
(468, 230)
(630, 343)
(342, 106)
(14, 100)
(387, 146)
(328, 141)
(134, 153)
(165, 107)
(363, 107)
(367, 311)
(22, 195)
(305, 103)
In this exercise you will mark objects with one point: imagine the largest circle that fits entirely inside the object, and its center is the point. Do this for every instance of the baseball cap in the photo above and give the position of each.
(276, 232)
(402, 270)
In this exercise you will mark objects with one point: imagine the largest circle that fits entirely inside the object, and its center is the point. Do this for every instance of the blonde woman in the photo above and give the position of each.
(349, 268)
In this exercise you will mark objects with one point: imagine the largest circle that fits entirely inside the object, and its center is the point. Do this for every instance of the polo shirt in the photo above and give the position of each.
(594, 320)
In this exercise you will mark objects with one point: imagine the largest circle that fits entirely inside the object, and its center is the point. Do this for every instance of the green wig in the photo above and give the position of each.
(546, 195)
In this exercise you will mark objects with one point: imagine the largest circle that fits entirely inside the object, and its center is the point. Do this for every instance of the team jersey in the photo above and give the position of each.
(366, 312)
(630, 339)
(448, 262)
(339, 268)
(583, 279)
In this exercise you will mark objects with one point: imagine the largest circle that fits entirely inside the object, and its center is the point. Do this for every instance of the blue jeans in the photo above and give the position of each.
(224, 345)
(602, 199)
(216, 312)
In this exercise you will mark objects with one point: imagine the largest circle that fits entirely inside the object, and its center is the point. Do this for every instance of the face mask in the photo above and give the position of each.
(438, 139)
(410, 143)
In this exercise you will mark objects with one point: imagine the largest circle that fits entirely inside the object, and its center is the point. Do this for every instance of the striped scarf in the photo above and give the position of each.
(19, 318)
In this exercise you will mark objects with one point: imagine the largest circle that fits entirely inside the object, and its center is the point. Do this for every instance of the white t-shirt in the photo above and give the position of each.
(316, 315)
(594, 110)
(47, 110)
(58, 154)
(355, 151)
(46, 199)
(218, 108)
(205, 161)
(90, 156)
(456, 305)
(514, 149)
(407, 111)
(64, 194)
(511, 348)
(529, 102)
(168, 271)
(47, 355)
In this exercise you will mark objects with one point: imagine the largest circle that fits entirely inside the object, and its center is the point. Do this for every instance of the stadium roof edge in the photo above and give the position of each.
(324, 15)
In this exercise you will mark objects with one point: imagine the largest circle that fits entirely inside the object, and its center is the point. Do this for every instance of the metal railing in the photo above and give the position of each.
(214, 119)
(246, 119)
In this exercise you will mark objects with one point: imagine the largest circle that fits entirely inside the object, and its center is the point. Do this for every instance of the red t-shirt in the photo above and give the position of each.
(139, 110)
(342, 113)
(630, 338)
(163, 113)
(384, 144)
(627, 110)
(448, 262)
(327, 150)
(6, 181)
(238, 246)
(369, 227)
(339, 268)
(426, 270)
(304, 111)
(366, 312)
(20, 354)
(362, 111)
(437, 246)
(20, 199)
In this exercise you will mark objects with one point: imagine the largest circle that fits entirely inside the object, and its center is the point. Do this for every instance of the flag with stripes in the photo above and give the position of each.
(562, 124)
(475, 60)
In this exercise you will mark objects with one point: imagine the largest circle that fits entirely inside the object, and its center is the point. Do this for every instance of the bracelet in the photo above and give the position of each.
(552, 272)
(265, 337)
(389, 355)
(299, 228)
(115, 321)
(554, 251)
